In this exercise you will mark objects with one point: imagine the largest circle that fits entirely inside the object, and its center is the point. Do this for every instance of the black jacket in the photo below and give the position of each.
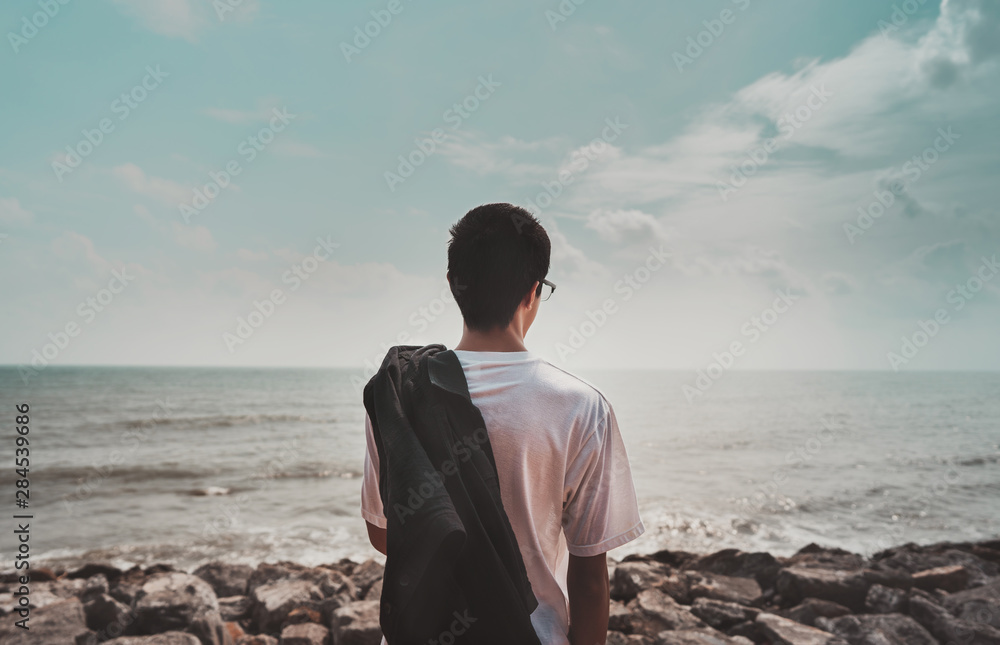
(453, 562)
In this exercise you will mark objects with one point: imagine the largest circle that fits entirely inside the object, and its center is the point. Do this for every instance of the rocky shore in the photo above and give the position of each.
(947, 594)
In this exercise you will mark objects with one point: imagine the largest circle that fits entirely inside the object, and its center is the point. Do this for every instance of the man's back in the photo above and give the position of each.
(564, 476)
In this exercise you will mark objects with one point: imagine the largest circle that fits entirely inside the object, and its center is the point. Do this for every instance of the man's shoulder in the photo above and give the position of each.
(562, 382)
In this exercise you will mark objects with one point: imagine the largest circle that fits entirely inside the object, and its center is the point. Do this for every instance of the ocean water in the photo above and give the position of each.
(187, 465)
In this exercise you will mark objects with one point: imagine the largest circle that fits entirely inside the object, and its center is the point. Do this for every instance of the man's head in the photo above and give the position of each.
(497, 255)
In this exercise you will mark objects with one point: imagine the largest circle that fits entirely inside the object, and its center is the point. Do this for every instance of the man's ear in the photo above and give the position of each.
(531, 294)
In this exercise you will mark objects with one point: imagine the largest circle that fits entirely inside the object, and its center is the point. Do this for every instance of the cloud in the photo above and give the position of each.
(626, 225)
(173, 18)
(298, 149)
(262, 112)
(13, 214)
(163, 190)
(196, 238)
(250, 256)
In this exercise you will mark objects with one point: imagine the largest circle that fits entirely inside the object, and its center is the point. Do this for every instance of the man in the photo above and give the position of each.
(564, 476)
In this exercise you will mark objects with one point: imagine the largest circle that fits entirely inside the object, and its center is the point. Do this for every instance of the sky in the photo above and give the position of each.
(790, 184)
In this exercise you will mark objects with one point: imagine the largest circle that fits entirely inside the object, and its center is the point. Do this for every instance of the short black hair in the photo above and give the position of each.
(495, 255)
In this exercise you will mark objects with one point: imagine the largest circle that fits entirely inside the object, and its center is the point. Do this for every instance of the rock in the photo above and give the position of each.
(43, 574)
(810, 609)
(818, 557)
(895, 578)
(158, 568)
(266, 573)
(94, 586)
(978, 605)
(234, 608)
(629, 578)
(127, 586)
(698, 637)
(782, 631)
(257, 639)
(848, 588)
(744, 591)
(618, 638)
(305, 634)
(748, 630)
(721, 614)
(166, 638)
(886, 600)
(175, 601)
(763, 567)
(675, 559)
(303, 615)
(92, 569)
(272, 602)
(374, 592)
(59, 622)
(947, 628)
(234, 630)
(365, 575)
(356, 624)
(618, 617)
(226, 579)
(107, 616)
(653, 611)
(950, 578)
(878, 629)
(913, 559)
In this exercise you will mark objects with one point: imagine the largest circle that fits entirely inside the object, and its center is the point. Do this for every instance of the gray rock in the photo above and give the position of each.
(356, 624)
(946, 627)
(951, 578)
(166, 638)
(94, 586)
(174, 601)
(618, 617)
(810, 609)
(618, 638)
(721, 614)
(763, 567)
(698, 637)
(257, 639)
(365, 575)
(877, 629)
(58, 622)
(653, 611)
(782, 631)
(91, 569)
(272, 602)
(374, 592)
(234, 608)
(107, 616)
(886, 600)
(304, 634)
(913, 559)
(848, 588)
(744, 591)
(977, 605)
(226, 579)
(629, 578)
(813, 556)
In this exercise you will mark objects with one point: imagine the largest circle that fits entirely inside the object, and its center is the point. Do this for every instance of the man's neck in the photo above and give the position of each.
(500, 340)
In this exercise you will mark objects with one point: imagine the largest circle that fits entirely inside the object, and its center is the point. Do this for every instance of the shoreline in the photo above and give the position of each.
(931, 594)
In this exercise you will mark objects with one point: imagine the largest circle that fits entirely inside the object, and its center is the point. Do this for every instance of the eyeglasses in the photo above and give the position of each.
(545, 290)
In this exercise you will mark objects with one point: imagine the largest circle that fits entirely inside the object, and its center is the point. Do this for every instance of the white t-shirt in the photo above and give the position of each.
(565, 479)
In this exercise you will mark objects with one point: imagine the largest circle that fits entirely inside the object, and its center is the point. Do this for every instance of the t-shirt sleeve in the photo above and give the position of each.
(371, 501)
(600, 510)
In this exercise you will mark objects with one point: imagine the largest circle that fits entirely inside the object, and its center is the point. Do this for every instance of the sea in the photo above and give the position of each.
(137, 465)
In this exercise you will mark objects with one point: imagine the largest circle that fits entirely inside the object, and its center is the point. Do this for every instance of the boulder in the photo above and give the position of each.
(234, 608)
(305, 634)
(946, 627)
(91, 569)
(271, 603)
(374, 592)
(761, 566)
(914, 559)
(356, 624)
(629, 578)
(977, 605)
(175, 601)
(365, 575)
(951, 578)
(872, 629)
(720, 614)
(810, 609)
(782, 631)
(886, 600)
(107, 616)
(226, 579)
(698, 637)
(94, 586)
(848, 588)
(235, 630)
(166, 638)
(127, 586)
(618, 617)
(257, 639)
(744, 591)
(618, 638)
(817, 557)
(59, 622)
(895, 578)
(266, 573)
(653, 611)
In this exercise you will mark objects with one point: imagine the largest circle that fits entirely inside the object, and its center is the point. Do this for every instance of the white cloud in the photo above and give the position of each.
(197, 238)
(174, 18)
(13, 214)
(250, 256)
(166, 191)
(298, 149)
